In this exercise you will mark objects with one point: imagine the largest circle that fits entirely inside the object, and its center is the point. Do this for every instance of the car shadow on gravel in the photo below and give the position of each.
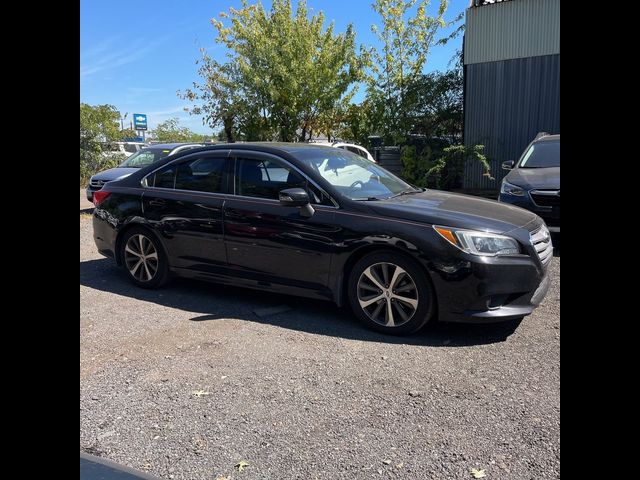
(211, 302)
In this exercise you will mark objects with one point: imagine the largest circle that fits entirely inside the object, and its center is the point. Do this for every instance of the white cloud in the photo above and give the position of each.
(96, 62)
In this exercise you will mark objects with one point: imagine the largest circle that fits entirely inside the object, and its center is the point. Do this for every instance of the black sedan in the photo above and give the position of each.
(324, 223)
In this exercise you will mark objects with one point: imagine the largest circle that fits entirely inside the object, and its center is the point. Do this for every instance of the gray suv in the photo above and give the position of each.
(534, 180)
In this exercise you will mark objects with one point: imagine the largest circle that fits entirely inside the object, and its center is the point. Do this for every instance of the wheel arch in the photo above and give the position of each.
(361, 252)
(126, 228)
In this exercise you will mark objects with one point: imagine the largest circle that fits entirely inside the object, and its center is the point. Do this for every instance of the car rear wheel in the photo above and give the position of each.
(390, 294)
(144, 259)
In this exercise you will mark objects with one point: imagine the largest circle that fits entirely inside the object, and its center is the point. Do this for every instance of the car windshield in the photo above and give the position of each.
(354, 177)
(145, 157)
(542, 155)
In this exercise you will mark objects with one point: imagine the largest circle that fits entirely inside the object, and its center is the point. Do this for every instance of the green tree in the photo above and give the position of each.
(284, 72)
(406, 37)
(171, 131)
(441, 168)
(128, 133)
(220, 100)
(434, 105)
(99, 124)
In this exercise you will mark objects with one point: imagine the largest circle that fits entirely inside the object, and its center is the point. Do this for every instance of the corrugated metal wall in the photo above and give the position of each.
(515, 29)
(507, 103)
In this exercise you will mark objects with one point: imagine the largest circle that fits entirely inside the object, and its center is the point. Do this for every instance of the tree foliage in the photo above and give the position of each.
(435, 105)
(441, 168)
(406, 36)
(99, 124)
(284, 76)
(171, 131)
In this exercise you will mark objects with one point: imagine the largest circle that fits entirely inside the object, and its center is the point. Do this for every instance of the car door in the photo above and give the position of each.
(184, 202)
(274, 244)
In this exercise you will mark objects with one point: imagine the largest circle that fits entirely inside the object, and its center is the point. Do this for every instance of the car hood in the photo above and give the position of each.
(114, 174)
(542, 178)
(455, 210)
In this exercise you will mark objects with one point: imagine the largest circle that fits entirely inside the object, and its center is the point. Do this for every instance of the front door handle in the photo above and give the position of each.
(157, 202)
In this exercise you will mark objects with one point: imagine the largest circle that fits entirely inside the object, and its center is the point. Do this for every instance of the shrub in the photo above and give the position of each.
(93, 160)
(448, 170)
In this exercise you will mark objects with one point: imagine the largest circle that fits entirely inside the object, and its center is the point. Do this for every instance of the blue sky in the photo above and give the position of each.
(136, 55)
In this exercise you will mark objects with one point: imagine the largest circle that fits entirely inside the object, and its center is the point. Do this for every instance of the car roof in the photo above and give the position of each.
(282, 146)
(549, 138)
(171, 146)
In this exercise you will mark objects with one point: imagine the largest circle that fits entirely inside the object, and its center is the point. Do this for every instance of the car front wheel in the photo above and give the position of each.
(390, 294)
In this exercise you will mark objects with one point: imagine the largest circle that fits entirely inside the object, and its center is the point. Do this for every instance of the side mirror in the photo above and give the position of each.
(293, 197)
(296, 197)
(508, 165)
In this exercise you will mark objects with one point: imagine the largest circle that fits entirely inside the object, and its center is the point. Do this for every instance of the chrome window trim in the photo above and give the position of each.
(177, 160)
(227, 196)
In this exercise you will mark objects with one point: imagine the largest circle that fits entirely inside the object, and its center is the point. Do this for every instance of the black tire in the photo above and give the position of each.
(412, 286)
(159, 270)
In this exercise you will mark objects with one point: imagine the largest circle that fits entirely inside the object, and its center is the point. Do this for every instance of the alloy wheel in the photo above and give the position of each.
(387, 294)
(141, 258)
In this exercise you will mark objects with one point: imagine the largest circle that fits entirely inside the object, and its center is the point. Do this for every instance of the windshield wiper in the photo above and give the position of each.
(406, 192)
(367, 199)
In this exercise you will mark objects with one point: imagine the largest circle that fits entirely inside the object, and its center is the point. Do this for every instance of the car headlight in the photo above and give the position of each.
(510, 189)
(479, 243)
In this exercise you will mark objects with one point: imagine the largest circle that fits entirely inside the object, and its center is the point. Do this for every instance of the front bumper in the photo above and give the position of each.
(550, 215)
(476, 289)
(516, 308)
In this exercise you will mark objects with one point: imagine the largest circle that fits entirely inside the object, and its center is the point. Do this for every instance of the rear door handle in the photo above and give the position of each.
(157, 202)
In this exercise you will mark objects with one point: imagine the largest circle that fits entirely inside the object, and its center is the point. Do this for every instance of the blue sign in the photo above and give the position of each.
(140, 121)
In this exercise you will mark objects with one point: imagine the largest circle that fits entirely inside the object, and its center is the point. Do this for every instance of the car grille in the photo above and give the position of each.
(541, 241)
(546, 198)
(97, 183)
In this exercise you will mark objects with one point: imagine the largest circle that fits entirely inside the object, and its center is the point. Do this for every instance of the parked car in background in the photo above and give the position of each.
(534, 180)
(126, 148)
(142, 158)
(278, 217)
(351, 147)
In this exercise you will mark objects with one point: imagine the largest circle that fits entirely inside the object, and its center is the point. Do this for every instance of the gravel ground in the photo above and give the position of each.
(187, 381)
(84, 203)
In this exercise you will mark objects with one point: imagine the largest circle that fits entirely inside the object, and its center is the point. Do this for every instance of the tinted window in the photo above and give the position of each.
(202, 174)
(130, 148)
(541, 155)
(165, 178)
(264, 178)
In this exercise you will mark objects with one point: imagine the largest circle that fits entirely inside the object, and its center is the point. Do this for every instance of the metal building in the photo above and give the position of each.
(511, 80)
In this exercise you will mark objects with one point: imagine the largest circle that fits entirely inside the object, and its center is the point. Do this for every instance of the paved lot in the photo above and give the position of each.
(187, 381)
